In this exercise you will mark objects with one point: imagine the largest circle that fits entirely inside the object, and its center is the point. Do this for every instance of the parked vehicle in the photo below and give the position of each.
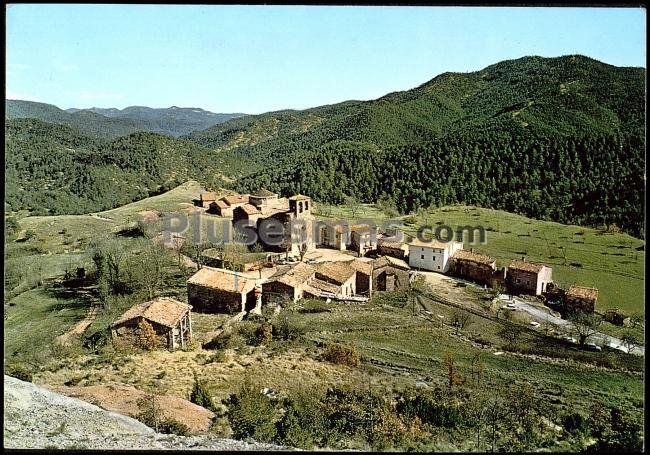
(591, 347)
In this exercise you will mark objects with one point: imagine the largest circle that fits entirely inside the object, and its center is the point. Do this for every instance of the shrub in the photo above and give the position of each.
(200, 395)
(146, 336)
(251, 414)
(574, 422)
(19, 371)
(172, 426)
(264, 333)
(286, 328)
(342, 355)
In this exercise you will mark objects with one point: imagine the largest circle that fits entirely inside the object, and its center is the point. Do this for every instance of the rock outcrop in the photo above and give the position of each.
(37, 418)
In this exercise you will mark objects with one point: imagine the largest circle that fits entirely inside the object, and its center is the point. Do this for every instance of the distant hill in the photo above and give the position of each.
(111, 123)
(560, 139)
(54, 169)
(174, 121)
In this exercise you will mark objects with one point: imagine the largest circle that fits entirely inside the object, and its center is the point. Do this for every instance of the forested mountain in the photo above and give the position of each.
(551, 138)
(112, 123)
(54, 169)
(174, 121)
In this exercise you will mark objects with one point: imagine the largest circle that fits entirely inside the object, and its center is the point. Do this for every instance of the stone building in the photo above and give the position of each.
(364, 276)
(212, 290)
(206, 198)
(523, 277)
(473, 266)
(340, 274)
(288, 282)
(393, 248)
(432, 255)
(580, 298)
(390, 274)
(363, 239)
(170, 319)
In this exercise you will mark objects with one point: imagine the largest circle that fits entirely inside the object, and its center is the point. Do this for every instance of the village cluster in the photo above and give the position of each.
(341, 262)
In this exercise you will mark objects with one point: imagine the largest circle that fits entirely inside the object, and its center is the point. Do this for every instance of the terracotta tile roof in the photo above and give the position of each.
(582, 292)
(478, 258)
(526, 266)
(235, 199)
(249, 209)
(381, 243)
(315, 286)
(298, 275)
(225, 280)
(163, 310)
(263, 192)
(360, 266)
(338, 272)
(208, 196)
(220, 203)
(390, 261)
(433, 243)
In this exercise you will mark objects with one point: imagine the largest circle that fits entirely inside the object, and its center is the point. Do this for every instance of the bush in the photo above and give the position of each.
(172, 426)
(342, 355)
(251, 414)
(200, 395)
(437, 410)
(574, 422)
(264, 333)
(286, 328)
(19, 371)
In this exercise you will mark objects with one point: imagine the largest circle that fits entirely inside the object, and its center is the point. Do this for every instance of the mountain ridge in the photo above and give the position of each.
(112, 122)
(536, 136)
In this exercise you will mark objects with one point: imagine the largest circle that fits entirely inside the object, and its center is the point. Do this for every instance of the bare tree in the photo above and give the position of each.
(460, 319)
(510, 333)
(585, 325)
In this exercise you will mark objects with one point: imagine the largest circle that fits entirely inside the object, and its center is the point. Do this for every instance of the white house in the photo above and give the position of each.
(433, 255)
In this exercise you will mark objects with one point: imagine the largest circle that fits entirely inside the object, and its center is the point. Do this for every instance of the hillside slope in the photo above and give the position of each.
(54, 169)
(36, 418)
(551, 138)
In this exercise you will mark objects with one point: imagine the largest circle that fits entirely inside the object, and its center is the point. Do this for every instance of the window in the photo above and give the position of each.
(434, 258)
(306, 205)
(438, 267)
(422, 256)
(518, 280)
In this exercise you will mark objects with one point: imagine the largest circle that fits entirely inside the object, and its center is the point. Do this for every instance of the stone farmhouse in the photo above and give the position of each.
(528, 277)
(288, 282)
(224, 207)
(473, 266)
(212, 290)
(393, 248)
(390, 274)
(433, 255)
(580, 298)
(170, 319)
(207, 198)
(340, 274)
(363, 284)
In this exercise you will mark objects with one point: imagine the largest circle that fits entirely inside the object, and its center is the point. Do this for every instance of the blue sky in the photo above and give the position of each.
(255, 59)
